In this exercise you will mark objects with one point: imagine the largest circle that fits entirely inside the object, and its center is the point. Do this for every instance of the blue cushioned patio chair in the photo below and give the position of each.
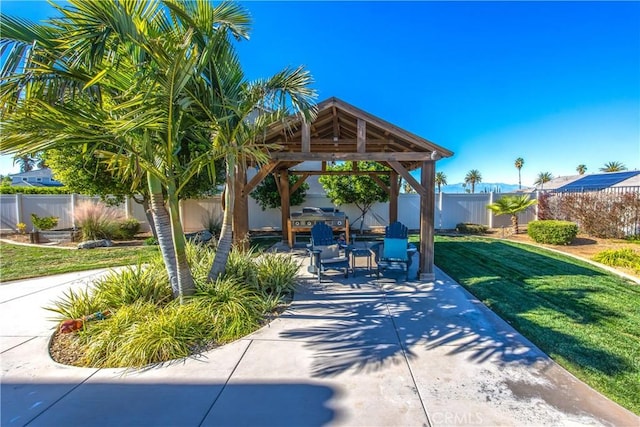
(393, 254)
(325, 253)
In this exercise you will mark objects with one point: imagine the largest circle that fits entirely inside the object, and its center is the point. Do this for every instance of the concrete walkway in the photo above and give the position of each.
(348, 352)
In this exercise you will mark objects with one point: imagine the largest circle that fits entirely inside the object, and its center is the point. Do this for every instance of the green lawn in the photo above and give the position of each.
(586, 319)
(22, 262)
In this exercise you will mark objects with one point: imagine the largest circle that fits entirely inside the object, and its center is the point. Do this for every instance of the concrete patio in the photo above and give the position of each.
(347, 352)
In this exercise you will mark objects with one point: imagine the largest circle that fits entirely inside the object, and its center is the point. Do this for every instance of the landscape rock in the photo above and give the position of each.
(90, 244)
(199, 237)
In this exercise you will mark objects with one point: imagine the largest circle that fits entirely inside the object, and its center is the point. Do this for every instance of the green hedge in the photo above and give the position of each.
(468, 228)
(552, 232)
(4, 189)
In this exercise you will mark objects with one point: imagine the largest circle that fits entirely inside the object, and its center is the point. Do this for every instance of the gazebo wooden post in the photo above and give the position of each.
(241, 208)
(393, 197)
(284, 203)
(427, 207)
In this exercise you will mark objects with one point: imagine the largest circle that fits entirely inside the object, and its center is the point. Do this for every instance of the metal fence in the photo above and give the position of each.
(450, 209)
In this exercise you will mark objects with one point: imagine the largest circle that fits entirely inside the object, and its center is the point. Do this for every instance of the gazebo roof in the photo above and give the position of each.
(341, 131)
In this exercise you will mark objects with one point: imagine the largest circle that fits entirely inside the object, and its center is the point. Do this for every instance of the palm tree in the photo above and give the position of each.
(407, 188)
(512, 205)
(581, 169)
(473, 177)
(98, 75)
(543, 178)
(613, 167)
(237, 136)
(441, 179)
(25, 161)
(519, 164)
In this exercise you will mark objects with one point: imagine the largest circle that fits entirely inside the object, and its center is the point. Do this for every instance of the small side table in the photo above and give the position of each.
(360, 253)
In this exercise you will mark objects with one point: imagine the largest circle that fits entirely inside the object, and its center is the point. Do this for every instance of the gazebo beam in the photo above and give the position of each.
(406, 175)
(382, 185)
(350, 172)
(375, 157)
(262, 174)
(362, 136)
(301, 180)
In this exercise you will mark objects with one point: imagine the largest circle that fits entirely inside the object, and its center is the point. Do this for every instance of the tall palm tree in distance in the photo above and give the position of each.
(581, 169)
(441, 179)
(407, 188)
(25, 161)
(613, 167)
(519, 164)
(543, 178)
(473, 177)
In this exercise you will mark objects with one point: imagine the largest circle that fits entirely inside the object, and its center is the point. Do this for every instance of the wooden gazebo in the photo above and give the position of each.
(342, 132)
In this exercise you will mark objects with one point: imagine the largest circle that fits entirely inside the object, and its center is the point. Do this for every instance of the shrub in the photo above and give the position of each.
(214, 225)
(599, 214)
(468, 228)
(241, 265)
(552, 232)
(74, 305)
(44, 223)
(103, 340)
(127, 229)
(236, 310)
(8, 189)
(634, 238)
(22, 227)
(277, 273)
(147, 326)
(151, 241)
(131, 284)
(200, 257)
(619, 258)
(96, 220)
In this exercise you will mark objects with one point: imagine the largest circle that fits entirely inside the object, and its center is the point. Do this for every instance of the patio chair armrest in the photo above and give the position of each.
(375, 248)
(395, 259)
(347, 248)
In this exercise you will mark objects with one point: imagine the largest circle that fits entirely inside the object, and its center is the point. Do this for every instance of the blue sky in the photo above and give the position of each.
(556, 83)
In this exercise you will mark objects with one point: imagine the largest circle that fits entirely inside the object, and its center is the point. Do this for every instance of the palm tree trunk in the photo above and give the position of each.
(519, 180)
(226, 233)
(186, 285)
(148, 214)
(162, 225)
(514, 222)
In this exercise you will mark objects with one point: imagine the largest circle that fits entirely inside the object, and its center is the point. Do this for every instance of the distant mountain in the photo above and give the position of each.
(483, 187)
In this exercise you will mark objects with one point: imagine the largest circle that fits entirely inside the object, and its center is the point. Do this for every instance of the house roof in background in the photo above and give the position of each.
(601, 181)
(36, 173)
(561, 181)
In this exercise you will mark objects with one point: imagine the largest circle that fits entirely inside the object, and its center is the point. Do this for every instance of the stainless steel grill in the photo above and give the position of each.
(310, 216)
(305, 220)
